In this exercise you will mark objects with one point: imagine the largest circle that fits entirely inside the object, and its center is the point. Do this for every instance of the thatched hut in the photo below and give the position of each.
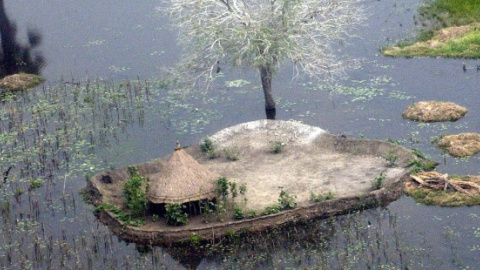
(183, 181)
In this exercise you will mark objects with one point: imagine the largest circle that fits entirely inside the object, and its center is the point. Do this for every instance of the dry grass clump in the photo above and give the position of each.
(461, 145)
(434, 111)
(20, 81)
(441, 189)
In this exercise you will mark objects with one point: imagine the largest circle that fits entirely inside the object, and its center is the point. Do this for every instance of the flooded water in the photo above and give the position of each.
(114, 42)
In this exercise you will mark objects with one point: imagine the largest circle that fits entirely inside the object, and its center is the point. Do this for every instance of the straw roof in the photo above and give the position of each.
(182, 180)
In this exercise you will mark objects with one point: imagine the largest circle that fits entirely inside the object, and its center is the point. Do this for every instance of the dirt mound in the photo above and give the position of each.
(22, 81)
(441, 189)
(461, 145)
(434, 111)
(311, 162)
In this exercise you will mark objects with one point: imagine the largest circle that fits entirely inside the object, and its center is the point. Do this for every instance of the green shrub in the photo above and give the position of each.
(231, 234)
(221, 188)
(251, 214)
(195, 239)
(213, 154)
(271, 209)
(391, 158)
(175, 215)
(126, 218)
(321, 197)
(207, 145)
(277, 146)
(286, 200)
(238, 212)
(36, 183)
(232, 154)
(135, 197)
(378, 181)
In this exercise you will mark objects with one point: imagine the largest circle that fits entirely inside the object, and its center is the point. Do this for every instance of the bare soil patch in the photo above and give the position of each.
(312, 161)
(461, 145)
(434, 111)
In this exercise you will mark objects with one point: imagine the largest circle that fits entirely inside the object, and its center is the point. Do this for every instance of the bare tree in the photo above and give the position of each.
(262, 34)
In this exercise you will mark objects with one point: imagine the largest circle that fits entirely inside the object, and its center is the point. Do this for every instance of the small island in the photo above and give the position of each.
(246, 178)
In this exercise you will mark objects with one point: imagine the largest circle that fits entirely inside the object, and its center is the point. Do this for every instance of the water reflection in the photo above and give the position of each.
(16, 57)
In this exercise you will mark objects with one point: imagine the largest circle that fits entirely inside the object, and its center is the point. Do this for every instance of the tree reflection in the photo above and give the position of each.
(16, 57)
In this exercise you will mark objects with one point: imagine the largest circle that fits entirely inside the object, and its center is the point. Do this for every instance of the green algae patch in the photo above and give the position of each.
(434, 111)
(451, 42)
(19, 82)
(433, 188)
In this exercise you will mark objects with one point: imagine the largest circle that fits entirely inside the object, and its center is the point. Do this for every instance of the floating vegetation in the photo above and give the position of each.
(442, 189)
(434, 111)
(461, 145)
(50, 137)
(18, 82)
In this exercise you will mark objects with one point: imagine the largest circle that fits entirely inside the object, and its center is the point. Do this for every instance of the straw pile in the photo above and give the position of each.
(461, 145)
(435, 188)
(20, 82)
(434, 111)
(183, 180)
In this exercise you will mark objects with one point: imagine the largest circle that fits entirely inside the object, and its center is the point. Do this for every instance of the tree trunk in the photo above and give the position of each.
(266, 76)
(7, 31)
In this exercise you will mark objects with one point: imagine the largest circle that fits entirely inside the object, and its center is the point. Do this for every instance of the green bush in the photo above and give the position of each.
(232, 154)
(207, 145)
(277, 146)
(271, 209)
(195, 239)
(135, 197)
(391, 158)
(321, 197)
(175, 215)
(222, 186)
(126, 218)
(251, 214)
(36, 183)
(286, 200)
(238, 212)
(378, 181)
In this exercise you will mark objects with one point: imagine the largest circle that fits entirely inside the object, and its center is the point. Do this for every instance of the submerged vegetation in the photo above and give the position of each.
(53, 137)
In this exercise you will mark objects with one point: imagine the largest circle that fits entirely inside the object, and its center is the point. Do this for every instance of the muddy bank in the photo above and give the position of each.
(313, 161)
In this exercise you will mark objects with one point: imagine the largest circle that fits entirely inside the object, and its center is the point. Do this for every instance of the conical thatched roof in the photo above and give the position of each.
(183, 180)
